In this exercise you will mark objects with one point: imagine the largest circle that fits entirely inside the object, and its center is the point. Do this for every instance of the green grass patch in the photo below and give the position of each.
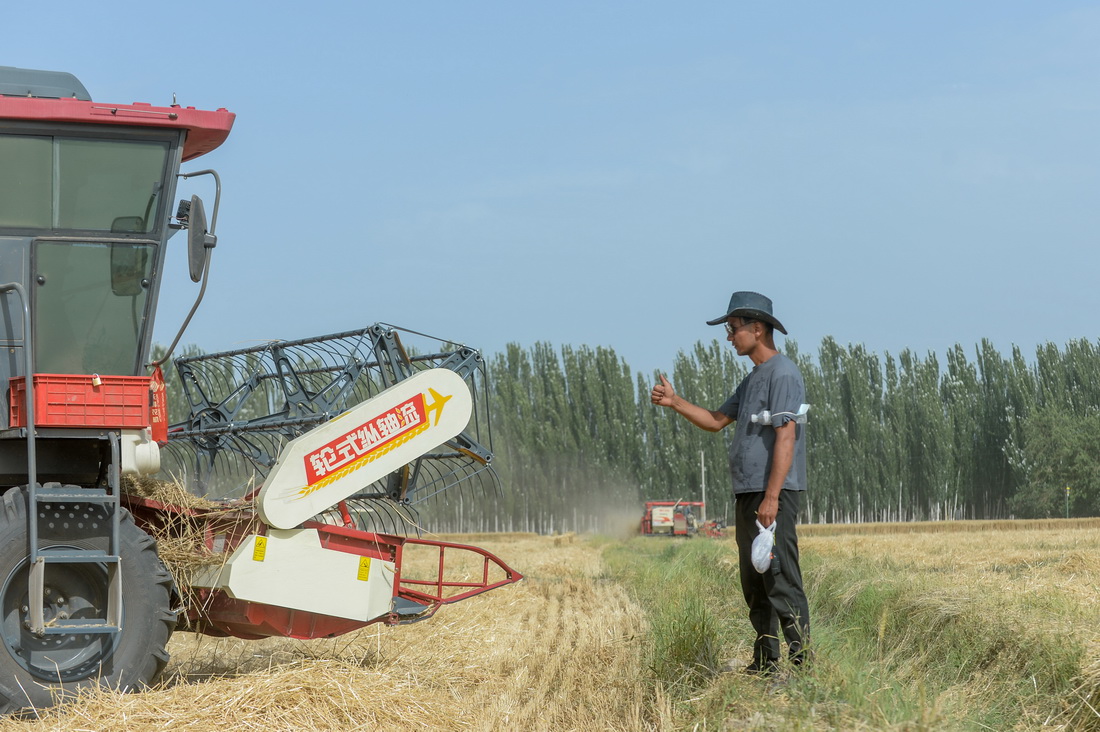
(685, 648)
(982, 656)
(898, 645)
(683, 585)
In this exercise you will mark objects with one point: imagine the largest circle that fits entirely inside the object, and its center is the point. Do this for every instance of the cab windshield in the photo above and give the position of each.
(81, 183)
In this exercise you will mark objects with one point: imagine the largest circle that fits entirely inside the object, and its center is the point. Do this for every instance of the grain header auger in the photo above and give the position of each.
(331, 443)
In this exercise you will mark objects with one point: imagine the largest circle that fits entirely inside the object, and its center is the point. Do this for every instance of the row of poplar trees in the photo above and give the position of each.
(981, 435)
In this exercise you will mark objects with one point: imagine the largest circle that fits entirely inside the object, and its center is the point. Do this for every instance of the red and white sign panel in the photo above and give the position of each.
(400, 423)
(323, 467)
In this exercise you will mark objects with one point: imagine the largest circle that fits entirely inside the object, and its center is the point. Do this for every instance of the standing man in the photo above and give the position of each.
(767, 460)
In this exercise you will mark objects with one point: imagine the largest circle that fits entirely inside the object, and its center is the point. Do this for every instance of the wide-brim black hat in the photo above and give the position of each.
(751, 305)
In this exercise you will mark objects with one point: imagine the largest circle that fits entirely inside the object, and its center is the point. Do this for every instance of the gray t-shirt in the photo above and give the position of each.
(775, 385)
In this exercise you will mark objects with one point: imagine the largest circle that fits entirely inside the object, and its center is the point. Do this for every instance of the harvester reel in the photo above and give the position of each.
(246, 405)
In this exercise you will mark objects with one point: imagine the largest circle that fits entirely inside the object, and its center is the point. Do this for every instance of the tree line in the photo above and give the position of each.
(982, 435)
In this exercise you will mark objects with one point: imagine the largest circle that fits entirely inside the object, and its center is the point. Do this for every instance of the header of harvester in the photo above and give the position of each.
(56, 96)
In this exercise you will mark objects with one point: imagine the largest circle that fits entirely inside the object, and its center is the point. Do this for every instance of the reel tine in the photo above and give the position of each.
(205, 473)
(392, 522)
(450, 474)
(377, 515)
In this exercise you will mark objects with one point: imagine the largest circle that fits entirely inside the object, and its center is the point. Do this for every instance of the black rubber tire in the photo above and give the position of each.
(129, 660)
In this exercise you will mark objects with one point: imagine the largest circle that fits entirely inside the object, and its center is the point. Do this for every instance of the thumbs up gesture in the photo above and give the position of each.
(663, 393)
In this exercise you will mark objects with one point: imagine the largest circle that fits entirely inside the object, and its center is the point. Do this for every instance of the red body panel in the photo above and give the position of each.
(206, 130)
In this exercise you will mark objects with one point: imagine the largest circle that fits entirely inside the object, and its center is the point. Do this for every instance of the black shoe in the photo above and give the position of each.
(767, 668)
(802, 659)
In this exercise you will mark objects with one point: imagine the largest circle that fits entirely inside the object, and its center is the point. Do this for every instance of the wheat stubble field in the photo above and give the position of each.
(560, 650)
(952, 626)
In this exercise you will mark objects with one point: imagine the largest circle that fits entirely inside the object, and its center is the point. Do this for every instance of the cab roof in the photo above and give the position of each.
(56, 96)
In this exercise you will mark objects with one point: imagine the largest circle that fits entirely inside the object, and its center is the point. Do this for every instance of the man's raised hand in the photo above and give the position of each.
(663, 393)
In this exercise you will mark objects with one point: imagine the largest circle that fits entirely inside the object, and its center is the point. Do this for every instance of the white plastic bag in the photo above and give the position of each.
(762, 548)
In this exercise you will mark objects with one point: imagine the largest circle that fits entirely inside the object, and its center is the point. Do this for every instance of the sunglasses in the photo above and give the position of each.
(731, 329)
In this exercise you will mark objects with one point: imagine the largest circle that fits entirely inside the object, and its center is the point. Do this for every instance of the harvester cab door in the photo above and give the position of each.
(90, 305)
(94, 204)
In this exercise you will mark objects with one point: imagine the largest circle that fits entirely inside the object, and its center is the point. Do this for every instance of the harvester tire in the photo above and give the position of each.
(39, 671)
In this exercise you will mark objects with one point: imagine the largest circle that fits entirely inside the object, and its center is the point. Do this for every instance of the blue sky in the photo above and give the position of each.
(606, 173)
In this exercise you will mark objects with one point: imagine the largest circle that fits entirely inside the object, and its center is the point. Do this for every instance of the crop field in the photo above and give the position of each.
(962, 625)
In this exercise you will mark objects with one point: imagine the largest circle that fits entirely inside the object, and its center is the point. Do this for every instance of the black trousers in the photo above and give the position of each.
(775, 598)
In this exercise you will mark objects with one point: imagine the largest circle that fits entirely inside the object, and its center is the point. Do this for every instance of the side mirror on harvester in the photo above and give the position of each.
(199, 240)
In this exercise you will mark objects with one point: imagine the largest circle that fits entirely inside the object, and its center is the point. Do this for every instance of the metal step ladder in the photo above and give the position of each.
(54, 494)
(38, 497)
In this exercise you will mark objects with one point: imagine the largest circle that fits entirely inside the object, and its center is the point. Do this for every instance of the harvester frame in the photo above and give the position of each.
(84, 597)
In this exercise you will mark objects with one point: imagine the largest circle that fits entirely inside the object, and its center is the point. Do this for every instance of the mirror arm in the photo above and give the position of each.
(187, 321)
(217, 193)
(210, 241)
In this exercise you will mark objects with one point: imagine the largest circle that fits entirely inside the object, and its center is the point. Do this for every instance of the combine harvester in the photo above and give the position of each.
(322, 448)
(679, 518)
